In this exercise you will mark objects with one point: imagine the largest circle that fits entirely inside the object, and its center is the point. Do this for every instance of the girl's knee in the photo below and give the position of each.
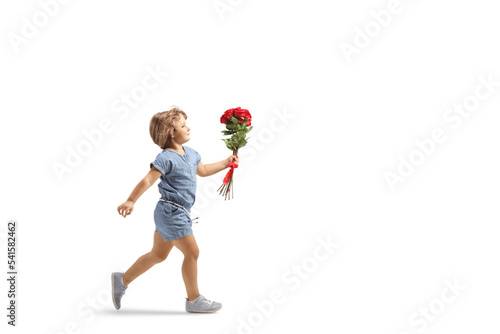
(157, 257)
(193, 253)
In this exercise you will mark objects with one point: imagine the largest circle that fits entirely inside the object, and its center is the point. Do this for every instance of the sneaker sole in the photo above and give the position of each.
(113, 290)
(204, 311)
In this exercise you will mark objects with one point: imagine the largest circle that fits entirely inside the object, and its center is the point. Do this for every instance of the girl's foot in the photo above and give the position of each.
(117, 289)
(202, 305)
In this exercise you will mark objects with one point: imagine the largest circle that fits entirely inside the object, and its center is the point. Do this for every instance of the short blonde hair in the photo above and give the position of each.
(162, 127)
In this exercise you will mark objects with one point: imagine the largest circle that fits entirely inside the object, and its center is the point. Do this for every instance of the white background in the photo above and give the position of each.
(325, 132)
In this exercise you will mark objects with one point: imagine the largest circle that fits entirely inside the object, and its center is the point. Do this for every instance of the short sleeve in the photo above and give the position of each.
(161, 163)
(197, 157)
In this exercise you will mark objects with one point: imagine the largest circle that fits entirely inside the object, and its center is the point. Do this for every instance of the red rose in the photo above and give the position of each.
(241, 114)
(247, 115)
(238, 112)
(227, 115)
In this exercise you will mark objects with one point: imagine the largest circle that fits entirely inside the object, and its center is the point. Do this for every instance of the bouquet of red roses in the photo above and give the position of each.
(238, 123)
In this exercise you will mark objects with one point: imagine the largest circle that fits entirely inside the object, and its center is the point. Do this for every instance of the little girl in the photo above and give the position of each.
(176, 166)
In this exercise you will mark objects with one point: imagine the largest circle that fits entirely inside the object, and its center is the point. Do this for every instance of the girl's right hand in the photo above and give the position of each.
(126, 208)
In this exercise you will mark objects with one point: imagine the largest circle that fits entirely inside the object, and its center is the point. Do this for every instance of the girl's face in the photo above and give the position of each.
(181, 133)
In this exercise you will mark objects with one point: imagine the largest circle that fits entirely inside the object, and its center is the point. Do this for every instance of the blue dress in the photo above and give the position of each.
(177, 185)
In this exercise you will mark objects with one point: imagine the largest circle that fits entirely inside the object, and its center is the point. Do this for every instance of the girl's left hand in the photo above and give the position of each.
(231, 158)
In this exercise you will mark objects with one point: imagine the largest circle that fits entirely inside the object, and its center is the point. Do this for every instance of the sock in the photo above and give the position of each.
(121, 280)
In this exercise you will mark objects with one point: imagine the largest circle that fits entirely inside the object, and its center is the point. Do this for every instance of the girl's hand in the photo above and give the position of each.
(126, 208)
(231, 158)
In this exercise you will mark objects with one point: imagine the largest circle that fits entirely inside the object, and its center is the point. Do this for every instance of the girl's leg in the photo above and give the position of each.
(159, 253)
(189, 248)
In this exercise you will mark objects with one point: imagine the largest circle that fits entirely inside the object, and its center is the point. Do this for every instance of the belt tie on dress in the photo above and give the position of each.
(180, 206)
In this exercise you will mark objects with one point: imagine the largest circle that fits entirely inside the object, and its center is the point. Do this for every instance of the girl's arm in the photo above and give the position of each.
(210, 169)
(127, 207)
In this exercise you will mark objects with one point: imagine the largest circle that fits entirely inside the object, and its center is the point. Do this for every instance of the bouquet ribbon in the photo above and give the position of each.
(231, 171)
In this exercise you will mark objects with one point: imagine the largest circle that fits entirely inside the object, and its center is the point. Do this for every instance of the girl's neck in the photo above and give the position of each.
(176, 148)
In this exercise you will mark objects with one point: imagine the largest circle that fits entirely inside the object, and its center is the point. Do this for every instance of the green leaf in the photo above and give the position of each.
(234, 120)
(226, 132)
(231, 126)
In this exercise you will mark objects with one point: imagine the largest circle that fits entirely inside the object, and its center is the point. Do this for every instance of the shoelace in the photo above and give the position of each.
(123, 291)
(208, 302)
